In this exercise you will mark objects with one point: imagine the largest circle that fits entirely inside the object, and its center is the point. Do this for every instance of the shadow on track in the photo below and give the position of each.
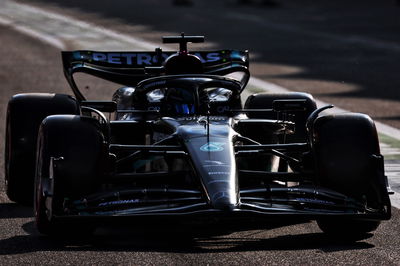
(130, 240)
(14, 210)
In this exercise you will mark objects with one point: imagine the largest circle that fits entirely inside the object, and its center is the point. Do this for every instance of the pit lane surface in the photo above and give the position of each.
(30, 65)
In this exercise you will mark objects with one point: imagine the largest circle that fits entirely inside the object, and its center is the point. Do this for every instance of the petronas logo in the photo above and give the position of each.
(212, 147)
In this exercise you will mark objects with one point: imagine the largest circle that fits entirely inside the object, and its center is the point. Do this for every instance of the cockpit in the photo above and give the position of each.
(189, 94)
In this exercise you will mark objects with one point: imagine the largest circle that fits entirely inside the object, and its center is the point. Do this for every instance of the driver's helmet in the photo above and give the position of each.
(181, 101)
(185, 109)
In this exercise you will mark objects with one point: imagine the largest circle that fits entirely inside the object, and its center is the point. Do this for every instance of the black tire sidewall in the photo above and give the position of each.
(25, 112)
(59, 138)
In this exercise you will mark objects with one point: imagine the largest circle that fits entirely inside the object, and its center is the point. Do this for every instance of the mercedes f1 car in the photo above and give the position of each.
(179, 146)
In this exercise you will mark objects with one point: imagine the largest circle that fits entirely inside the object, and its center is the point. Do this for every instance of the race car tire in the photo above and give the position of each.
(70, 162)
(347, 229)
(25, 112)
(265, 101)
(346, 151)
(346, 147)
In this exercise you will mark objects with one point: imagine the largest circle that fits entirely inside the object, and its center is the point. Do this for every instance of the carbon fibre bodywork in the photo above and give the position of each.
(221, 190)
(183, 148)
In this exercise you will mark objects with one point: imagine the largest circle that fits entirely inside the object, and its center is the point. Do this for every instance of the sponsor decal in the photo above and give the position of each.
(219, 173)
(142, 59)
(210, 57)
(212, 147)
(186, 118)
(76, 55)
(118, 202)
(315, 201)
(222, 109)
(154, 108)
(201, 118)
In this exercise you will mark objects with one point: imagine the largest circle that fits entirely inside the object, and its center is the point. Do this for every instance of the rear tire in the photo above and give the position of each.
(265, 101)
(25, 112)
(76, 145)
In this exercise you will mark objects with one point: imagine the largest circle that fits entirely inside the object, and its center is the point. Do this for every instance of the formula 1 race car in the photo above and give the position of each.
(181, 148)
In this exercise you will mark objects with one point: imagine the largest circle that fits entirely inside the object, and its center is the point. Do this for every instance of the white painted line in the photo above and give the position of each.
(5, 21)
(59, 30)
(35, 34)
(139, 44)
(49, 39)
(395, 200)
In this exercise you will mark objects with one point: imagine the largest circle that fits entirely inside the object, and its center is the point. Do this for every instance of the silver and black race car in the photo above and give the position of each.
(176, 145)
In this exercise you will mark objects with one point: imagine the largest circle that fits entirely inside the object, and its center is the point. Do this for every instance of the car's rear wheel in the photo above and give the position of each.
(266, 100)
(348, 161)
(69, 166)
(25, 112)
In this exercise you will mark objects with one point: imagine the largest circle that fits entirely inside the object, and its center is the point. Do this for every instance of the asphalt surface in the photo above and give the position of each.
(29, 65)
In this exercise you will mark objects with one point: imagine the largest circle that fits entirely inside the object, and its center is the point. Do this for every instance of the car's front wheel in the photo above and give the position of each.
(69, 165)
(347, 229)
(348, 161)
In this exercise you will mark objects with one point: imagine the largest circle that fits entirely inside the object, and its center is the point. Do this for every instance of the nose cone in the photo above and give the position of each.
(214, 160)
(216, 166)
(223, 201)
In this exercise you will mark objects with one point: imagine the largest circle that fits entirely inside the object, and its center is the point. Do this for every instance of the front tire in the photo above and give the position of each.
(347, 229)
(348, 161)
(70, 165)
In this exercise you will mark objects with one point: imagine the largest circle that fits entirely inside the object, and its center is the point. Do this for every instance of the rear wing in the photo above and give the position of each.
(129, 68)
